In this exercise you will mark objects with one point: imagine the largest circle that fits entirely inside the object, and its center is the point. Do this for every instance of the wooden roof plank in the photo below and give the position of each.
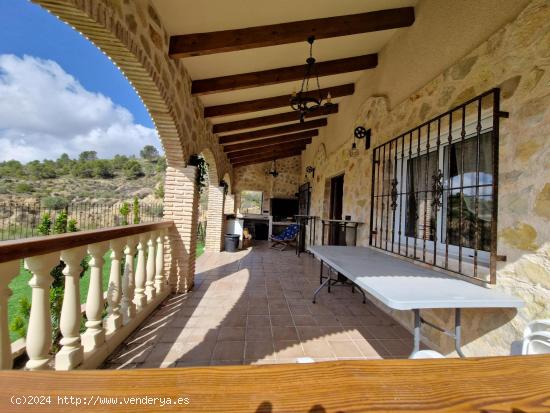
(200, 44)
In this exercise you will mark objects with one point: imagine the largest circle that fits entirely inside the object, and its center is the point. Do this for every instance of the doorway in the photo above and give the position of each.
(337, 236)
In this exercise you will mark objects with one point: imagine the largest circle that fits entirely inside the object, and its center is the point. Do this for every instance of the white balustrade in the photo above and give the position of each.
(140, 299)
(71, 353)
(39, 331)
(159, 264)
(114, 317)
(150, 291)
(8, 271)
(132, 292)
(128, 308)
(94, 335)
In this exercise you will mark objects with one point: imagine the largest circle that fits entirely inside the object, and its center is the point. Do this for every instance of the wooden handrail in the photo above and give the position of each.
(30, 247)
(502, 384)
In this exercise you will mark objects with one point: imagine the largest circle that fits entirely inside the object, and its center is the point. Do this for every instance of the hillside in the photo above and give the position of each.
(86, 179)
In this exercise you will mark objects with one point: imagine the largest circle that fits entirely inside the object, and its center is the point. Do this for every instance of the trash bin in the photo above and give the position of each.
(231, 242)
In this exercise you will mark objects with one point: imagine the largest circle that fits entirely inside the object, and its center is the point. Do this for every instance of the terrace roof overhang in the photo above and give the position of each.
(245, 66)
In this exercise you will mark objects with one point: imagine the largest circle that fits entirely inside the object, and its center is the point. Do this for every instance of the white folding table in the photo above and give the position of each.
(403, 285)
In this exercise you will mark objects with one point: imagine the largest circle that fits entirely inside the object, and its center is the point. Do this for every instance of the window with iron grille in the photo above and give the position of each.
(434, 190)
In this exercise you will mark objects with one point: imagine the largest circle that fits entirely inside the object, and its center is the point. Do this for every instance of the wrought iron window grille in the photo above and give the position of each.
(434, 190)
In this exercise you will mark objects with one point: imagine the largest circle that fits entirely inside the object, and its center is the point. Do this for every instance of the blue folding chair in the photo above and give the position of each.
(288, 235)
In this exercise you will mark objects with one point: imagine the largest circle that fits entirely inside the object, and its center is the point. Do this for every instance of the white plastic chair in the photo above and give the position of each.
(427, 354)
(536, 337)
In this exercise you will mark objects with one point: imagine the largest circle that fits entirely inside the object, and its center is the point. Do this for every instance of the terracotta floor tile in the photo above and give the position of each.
(231, 333)
(258, 321)
(258, 333)
(288, 350)
(284, 333)
(282, 320)
(345, 349)
(228, 350)
(309, 333)
(259, 350)
(317, 348)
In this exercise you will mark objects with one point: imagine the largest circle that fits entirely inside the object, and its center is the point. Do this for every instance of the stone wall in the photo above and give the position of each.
(517, 59)
(254, 178)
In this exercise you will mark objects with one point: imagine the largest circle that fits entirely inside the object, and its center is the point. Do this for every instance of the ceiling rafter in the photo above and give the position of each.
(199, 44)
(275, 131)
(271, 120)
(277, 140)
(274, 102)
(267, 149)
(282, 75)
(267, 157)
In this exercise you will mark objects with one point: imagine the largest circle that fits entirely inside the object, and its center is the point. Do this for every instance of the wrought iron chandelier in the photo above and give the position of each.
(307, 101)
(273, 170)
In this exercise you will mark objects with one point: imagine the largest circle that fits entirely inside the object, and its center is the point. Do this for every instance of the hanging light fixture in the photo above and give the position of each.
(273, 171)
(307, 101)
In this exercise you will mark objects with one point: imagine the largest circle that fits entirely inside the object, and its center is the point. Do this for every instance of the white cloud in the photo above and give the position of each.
(44, 112)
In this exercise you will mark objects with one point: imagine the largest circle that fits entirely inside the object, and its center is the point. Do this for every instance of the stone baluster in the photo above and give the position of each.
(39, 331)
(150, 291)
(114, 318)
(140, 299)
(94, 336)
(71, 353)
(159, 267)
(127, 305)
(8, 271)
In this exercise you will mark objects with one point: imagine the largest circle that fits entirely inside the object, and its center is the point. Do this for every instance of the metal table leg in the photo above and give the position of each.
(458, 333)
(320, 288)
(417, 324)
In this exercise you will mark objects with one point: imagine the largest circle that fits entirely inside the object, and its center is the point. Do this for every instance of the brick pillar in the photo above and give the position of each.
(215, 219)
(181, 205)
(229, 207)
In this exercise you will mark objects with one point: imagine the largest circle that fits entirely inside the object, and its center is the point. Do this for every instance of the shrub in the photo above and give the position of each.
(55, 202)
(159, 191)
(133, 169)
(71, 225)
(104, 169)
(23, 188)
(45, 226)
(124, 212)
(60, 226)
(136, 210)
(83, 170)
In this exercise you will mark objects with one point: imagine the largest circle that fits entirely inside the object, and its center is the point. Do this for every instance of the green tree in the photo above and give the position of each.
(124, 212)
(161, 164)
(133, 169)
(23, 188)
(119, 161)
(135, 209)
(159, 191)
(83, 170)
(61, 222)
(55, 202)
(45, 226)
(87, 156)
(104, 169)
(150, 153)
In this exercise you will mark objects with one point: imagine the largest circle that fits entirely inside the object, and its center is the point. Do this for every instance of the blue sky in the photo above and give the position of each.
(58, 59)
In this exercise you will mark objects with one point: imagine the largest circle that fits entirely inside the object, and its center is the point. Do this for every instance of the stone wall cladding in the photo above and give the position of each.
(516, 59)
(254, 178)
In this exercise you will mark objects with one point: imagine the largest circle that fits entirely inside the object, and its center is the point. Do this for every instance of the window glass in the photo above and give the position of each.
(251, 202)
(460, 171)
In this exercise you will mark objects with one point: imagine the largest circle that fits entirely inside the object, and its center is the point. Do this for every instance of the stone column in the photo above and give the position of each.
(181, 205)
(215, 219)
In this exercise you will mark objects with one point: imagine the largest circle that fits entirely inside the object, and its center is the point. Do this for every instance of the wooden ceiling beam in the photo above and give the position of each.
(271, 120)
(266, 158)
(268, 149)
(273, 102)
(282, 75)
(275, 131)
(200, 44)
(292, 137)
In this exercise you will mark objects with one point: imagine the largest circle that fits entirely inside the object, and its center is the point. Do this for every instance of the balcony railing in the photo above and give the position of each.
(137, 285)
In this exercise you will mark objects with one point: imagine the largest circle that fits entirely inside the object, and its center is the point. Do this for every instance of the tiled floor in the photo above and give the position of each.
(255, 307)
